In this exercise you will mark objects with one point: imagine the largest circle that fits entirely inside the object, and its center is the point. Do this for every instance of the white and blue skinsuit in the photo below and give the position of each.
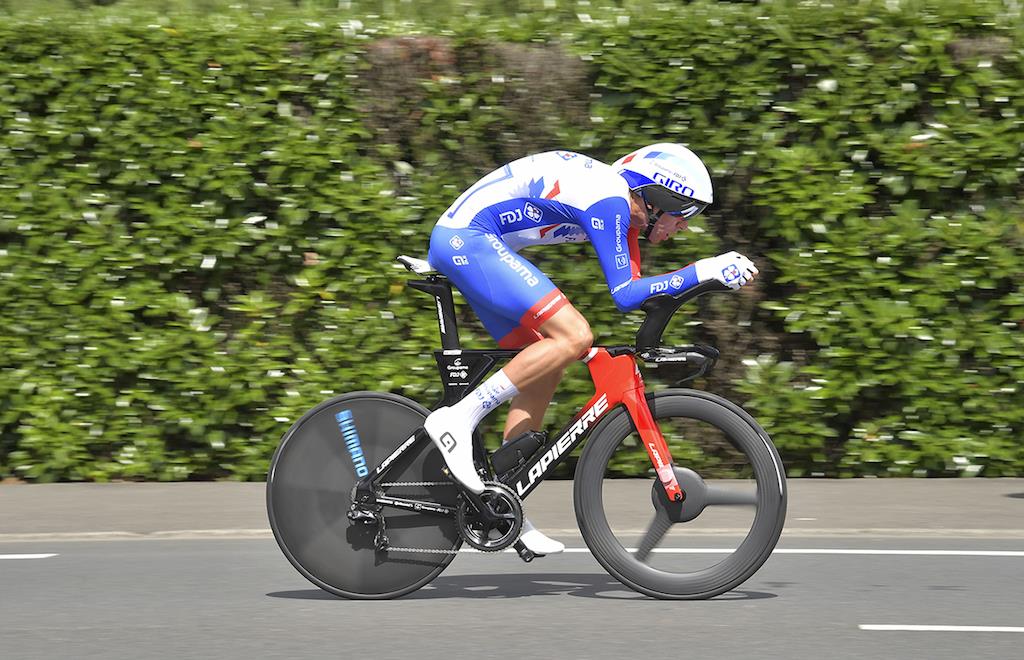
(552, 197)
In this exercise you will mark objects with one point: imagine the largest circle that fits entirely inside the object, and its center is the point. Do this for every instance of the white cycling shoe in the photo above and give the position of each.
(449, 433)
(537, 543)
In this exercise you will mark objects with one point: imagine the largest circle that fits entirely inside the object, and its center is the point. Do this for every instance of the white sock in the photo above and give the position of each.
(451, 427)
(493, 392)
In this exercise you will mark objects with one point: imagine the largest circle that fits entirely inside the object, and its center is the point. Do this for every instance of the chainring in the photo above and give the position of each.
(491, 537)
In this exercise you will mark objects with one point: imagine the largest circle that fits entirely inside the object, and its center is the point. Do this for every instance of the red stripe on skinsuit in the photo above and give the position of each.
(519, 338)
(543, 309)
(554, 192)
(632, 240)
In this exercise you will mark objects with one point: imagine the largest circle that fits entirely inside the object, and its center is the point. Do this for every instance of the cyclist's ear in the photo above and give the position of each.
(637, 211)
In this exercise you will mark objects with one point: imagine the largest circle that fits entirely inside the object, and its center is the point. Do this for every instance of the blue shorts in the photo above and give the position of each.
(511, 296)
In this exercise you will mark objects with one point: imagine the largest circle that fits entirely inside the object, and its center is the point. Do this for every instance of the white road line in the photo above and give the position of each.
(1009, 629)
(820, 551)
(46, 556)
(918, 553)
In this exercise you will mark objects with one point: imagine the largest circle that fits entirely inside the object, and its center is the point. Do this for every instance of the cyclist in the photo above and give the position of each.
(556, 197)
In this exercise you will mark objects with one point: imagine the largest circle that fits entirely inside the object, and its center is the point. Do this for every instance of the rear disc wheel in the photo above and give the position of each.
(309, 493)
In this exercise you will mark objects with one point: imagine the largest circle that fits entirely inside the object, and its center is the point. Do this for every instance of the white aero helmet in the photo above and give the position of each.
(668, 176)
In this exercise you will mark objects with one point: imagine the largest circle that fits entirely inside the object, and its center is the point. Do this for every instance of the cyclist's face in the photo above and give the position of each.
(666, 226)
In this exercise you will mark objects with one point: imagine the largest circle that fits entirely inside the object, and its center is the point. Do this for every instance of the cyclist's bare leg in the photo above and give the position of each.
(538, 368)
(527, 409)
(536, 372)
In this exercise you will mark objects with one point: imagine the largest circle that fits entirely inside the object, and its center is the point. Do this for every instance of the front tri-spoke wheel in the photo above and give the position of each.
(724, 529)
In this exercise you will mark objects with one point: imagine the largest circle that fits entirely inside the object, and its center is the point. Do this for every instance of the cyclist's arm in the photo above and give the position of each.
(607, 224)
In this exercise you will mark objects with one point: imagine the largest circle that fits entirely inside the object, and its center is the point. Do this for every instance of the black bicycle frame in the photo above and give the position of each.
(462, 370)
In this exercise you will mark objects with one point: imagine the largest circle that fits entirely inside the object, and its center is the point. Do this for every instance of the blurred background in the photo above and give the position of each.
(201, 202)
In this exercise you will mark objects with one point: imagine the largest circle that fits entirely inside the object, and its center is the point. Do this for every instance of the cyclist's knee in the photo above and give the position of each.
(577, 339)
(583, 340)
(570, 330)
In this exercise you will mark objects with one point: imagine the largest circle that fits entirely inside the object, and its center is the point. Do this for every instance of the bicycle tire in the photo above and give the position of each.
(309, 491)
(745, 435)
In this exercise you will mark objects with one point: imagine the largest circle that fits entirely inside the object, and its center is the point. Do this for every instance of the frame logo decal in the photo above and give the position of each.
(347, 425)
(567, 440)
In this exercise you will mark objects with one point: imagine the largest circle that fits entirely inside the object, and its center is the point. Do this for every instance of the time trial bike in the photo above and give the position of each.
(361, 503)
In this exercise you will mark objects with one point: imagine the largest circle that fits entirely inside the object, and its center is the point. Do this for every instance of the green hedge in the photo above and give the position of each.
(199, 217)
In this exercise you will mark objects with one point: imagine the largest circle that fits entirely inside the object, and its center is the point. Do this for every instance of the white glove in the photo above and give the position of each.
(731, 269)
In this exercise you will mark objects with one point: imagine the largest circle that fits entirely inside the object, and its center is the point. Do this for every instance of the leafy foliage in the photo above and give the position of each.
(199, 216)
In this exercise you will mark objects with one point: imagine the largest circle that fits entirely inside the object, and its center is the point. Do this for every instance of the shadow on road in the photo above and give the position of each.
(518, 585)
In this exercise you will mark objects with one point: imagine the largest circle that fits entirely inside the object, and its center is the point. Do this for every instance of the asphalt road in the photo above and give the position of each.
(189, 570)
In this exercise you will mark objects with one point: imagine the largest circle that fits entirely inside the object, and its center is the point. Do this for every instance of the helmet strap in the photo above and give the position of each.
(651, 217)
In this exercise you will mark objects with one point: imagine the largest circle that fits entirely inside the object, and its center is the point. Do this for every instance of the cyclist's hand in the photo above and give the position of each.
(731, 269)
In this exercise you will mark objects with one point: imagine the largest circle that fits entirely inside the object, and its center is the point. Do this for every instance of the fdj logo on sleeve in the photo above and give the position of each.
(532, 212)
(347, 425)
(515, 215)
(511, 217)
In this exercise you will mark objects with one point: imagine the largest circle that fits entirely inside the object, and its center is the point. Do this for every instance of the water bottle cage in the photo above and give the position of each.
(684, 363)
(516, 452)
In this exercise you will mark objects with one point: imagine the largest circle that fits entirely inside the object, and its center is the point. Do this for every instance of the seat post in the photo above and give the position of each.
(441, 289)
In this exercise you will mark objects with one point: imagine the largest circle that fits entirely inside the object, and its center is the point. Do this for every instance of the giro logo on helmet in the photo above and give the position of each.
(673, 185)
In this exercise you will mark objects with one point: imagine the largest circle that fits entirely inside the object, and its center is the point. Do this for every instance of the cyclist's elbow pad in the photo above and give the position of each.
(628, 296)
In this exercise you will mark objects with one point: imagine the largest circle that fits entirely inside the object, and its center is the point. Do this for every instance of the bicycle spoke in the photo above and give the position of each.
(717, 495)
(652, 537)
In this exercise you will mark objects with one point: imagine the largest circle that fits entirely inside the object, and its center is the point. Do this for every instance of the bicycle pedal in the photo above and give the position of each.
(525, 553)
(362, 515)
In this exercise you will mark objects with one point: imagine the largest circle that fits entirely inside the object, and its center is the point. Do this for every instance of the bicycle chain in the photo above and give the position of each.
(418, 484)
(393, 484)
(426, 551)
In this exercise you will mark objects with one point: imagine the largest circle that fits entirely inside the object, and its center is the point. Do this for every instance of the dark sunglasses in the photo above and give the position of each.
(677, 206)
